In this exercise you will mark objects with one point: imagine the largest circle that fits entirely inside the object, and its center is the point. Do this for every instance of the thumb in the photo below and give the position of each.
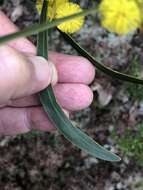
(22, 75)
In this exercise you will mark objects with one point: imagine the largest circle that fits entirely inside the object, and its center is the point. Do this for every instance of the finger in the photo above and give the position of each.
(72, 69)
(72, 97)
(38, 119)
(15, 121)
(21, 76)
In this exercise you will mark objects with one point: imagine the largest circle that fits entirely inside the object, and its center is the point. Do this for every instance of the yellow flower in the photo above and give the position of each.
(39, 6)
(72, 25)
(140, 3)
(62, 8)
(58, 2)
(51, 2)
(52, 6)
(120, 16)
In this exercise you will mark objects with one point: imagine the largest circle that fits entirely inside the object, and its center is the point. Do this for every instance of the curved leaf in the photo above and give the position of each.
(72, 133)
(98, 64)
(57, 116)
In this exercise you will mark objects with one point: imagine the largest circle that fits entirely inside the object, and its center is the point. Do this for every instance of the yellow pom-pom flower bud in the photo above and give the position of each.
(120, 16)
(72, 25)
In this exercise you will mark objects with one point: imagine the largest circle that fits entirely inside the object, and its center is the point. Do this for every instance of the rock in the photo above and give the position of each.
(115, 176)
(90, 161)
(17, 13)
(104, 95)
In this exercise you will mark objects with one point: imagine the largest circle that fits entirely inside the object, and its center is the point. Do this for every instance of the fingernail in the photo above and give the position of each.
(45, 70)
(54, 74)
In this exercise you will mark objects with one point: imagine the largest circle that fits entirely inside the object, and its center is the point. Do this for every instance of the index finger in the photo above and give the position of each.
(72, 69)
(21, 44)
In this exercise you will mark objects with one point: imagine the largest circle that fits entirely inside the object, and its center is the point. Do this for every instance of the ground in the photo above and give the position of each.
(41, 161)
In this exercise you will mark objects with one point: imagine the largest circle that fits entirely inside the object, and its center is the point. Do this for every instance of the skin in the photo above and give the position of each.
(23, 75)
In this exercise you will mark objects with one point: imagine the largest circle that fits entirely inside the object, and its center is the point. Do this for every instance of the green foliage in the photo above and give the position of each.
(131, 143)
(135, 91)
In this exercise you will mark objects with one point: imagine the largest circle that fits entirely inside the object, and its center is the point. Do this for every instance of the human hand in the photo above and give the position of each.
(23, 74)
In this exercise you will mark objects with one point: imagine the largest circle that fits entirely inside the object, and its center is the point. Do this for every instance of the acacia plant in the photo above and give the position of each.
(119, 16)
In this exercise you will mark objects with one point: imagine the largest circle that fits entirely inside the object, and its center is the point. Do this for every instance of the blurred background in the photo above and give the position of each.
(41, 161)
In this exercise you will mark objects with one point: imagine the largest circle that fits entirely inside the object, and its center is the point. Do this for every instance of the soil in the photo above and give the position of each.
(42, 161)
